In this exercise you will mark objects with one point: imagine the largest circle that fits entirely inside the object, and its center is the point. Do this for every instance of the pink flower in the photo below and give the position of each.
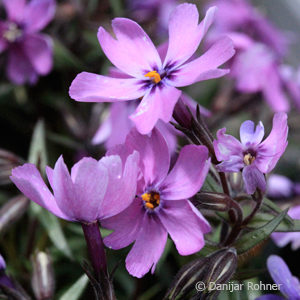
(254, 157)
(161, 206)
(29, 52)
(94, 189)
(154, 81)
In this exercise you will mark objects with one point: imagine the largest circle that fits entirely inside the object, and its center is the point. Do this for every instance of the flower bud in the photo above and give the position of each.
(216, 268)
(212, 201)
(42, 282)
(182, 114)
(12, 211)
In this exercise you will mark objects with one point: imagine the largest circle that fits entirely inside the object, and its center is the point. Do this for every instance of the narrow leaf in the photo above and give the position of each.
(75, 291)
(251, 239)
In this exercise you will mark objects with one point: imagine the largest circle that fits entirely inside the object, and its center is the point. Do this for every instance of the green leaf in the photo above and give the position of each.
(75, 291)
(37, 150)
(253, 238)
(270, 205)
(53, 228)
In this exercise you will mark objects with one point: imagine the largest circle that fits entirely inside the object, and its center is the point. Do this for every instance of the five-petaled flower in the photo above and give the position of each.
(154, 81)
(94, 189)
(253, 157)
(161, 204)
(29, 52)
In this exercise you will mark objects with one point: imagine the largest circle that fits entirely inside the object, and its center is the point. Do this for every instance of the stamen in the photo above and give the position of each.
(249, 159)
(154, 76)
(151, 200)
(12, 33)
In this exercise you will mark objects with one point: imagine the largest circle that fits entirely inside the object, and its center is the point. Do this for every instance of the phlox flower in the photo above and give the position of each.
(288, 284)
(256, 69)
(94, 189)
(29, 52)
(160, 206)
(254, 157)
(281, 239)
(152, 79)
(241, 21)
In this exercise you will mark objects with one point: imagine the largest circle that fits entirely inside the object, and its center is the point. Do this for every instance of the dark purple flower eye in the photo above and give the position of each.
(151, 200)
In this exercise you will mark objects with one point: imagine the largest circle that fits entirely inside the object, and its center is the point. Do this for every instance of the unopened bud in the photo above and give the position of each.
(221, 267)
(212, 201)
(42, 282)
(236, 181)
(12, 211)
(216, 268)
(182, 114)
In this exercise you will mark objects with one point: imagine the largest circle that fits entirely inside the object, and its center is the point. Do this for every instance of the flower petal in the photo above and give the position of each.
(270, 297)
(184, 30)
(126, 226)
(148, 247)
(133, 51)
(205, 67)
(121, 188)
(279, 271)
(253, 179)
(14, 9)
(271, 149)
(274, 93)
(154, 155)
(90, 186)
(251, 135)
(19, 69)
(188, 174)
(89, 87)
(185, 225)
(29, 181)
(38, 48)
(226, 146)
(233, 164)
(63, 188)
(158, 104)
(38, 14)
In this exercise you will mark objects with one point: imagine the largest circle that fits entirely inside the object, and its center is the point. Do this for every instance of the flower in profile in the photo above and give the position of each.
(288, 284)
(254, 157)
(133, 53)
(161, 206)
(280, 186)
(29, 52)
(93, 190)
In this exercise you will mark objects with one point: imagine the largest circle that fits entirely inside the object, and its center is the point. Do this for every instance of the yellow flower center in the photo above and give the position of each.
(151, 199)
(12, 33)
(154, 76)
(249, 159)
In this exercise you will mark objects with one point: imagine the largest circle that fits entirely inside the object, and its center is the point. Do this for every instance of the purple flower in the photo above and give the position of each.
(256, 69)
(161, 206)
(291, 80)
(280, 186)
(114, 129)
(29, 52)
(154, 81)
(94, 190)
(288, 284)
(281, 239)
(117, 125)
(240, 20)
(253, 157)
